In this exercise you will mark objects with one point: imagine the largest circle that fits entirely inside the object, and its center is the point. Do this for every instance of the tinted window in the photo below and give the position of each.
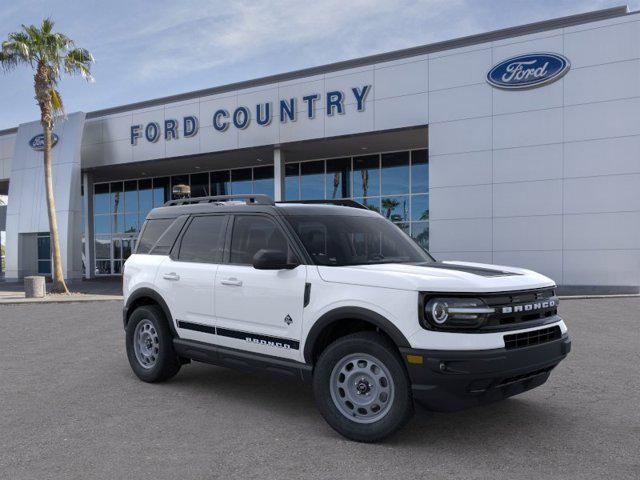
(253, 233)
(151, 233)
(168, 238)
(355, 240)
(204, 240)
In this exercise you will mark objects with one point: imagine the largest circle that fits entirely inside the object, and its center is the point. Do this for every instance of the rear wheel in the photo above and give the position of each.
(361, 387)
(150, 345)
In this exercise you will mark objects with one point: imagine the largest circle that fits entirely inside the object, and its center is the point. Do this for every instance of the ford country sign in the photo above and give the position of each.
(528, 71)
(37, 142)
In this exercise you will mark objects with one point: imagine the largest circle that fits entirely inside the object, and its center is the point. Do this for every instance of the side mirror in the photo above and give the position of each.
(272, 260)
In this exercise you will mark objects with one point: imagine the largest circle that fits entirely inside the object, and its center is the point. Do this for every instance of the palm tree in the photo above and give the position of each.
(49, 54)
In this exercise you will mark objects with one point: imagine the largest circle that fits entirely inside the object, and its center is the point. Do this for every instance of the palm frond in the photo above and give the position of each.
(78, 62)
(56, 101)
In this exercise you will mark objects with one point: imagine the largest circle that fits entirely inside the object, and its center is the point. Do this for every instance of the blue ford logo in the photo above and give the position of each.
(37, 142)
(528, 71)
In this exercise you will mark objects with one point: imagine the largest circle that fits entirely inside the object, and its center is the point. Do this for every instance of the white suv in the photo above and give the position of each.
(341, 297)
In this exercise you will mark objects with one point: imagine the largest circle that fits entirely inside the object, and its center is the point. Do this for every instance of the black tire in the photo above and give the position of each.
(400, 407)
(166, 363)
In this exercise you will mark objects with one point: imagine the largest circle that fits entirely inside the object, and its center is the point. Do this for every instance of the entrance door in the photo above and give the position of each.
(259, 310)
(188, 276)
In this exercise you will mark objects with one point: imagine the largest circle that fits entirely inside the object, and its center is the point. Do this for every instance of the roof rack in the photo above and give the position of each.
(257, 199)
(339, 202)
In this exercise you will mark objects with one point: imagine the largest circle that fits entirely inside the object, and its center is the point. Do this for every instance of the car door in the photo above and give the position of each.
(189, 276)
(259, 310)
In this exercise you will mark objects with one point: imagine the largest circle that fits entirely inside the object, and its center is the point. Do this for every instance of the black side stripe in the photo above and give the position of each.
(269, 340)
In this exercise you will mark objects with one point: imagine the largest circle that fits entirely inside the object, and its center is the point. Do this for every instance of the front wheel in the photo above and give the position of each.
(361, 387)
(150, 345)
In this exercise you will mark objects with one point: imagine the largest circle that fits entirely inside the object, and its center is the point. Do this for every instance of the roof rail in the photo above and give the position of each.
(257, 199)
(339, 202)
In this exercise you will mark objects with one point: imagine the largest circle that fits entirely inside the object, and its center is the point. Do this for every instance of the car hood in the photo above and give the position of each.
(437, 277)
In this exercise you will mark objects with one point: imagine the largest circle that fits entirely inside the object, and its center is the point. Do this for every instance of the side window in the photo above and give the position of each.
(203, 241)
(153, 229)
(254, 233)
(168, 238)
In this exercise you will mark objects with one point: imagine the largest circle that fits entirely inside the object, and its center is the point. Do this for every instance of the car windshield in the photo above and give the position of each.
(339, 240)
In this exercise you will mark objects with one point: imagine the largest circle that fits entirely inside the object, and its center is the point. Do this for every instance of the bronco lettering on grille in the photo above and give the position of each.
(529, 307)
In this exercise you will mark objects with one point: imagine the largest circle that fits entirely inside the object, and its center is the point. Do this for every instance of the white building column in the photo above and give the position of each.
(278, 175)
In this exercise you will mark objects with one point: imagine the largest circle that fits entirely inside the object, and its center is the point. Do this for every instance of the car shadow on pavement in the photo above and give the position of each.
(281, 396)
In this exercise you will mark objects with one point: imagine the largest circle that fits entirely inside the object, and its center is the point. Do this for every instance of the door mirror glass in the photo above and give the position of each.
(266, 259)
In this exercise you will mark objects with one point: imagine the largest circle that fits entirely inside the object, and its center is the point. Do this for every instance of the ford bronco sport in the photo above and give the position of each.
(336, 295)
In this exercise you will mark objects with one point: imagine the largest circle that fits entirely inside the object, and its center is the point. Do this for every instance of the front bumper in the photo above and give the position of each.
(453, 380)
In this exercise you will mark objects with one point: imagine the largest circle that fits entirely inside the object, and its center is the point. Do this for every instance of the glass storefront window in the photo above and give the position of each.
(160, 191)
(116, 197)
(292, 181)
(220, 183)
(312, 180)
(263, 180)
(366, 176)
(419, 207)
(393, 184)
(241, 181)
(419, 171)
(338, 178)
(395, 173)
(131, 196)
(395, 209)
(199, 184)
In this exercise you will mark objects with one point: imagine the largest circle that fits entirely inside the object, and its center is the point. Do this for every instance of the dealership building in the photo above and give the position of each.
(515, 147)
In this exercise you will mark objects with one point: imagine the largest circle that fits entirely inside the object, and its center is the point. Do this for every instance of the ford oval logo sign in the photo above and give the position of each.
(528, 71)
(37, 142)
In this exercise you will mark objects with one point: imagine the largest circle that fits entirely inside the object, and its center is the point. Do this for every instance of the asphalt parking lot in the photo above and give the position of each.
(71, 408)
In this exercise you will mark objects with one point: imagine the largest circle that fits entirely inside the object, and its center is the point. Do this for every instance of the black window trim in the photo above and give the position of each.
(175, 250)
(284, 228)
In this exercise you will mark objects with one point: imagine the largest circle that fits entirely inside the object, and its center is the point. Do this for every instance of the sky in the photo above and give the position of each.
(150, 49)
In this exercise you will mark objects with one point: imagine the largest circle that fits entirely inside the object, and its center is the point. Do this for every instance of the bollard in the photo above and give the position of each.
(34, 287)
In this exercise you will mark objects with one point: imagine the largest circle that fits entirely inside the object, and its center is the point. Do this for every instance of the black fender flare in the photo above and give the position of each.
(144, 292)
(354, 313)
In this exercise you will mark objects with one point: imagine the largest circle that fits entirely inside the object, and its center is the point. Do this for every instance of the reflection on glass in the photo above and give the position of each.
(312, 180)
(420, 233)
(199, 184)
(338, 178)
(101, 198)
(44, 267)
(103, 267)
(131, 196)
(116, 197)
(178, 180)
(117, 223)
(395, 173)
(102, 224)
(44, 247)
(396, 209)
(145, 197)
(160, 191)
(220, 183)
(420, 207)
(366, 176)
(404, 227)
(420, 171)
(131, 223)
(127, 247)
(263, 180)
(117, 267)
(102, 247)
(241, 181)
(292, 181)
(370, 203)
(117, 248)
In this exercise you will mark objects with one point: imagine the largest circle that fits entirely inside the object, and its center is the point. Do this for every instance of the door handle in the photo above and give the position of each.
(232, 281)
(171, 276)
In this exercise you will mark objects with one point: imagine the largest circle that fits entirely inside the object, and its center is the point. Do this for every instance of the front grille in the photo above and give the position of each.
(513, 308)
(534, 337)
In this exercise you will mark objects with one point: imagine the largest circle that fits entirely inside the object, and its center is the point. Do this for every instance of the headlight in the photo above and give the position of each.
(456, 312)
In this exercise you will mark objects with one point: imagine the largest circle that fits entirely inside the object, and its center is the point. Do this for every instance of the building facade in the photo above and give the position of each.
(515, 147)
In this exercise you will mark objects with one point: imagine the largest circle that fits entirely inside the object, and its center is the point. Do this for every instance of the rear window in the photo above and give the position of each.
(159, 235)
(203, 241)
